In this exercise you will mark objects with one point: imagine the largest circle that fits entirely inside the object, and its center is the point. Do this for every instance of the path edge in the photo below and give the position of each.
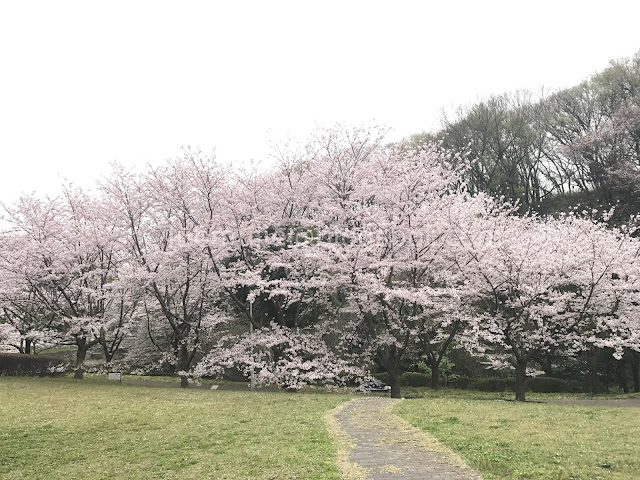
(428, 441)
(344, 445)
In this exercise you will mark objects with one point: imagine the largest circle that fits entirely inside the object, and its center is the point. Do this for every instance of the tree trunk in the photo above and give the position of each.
(81, 354)
(521, 380)
(27, 346)
(184, 365)
(394, 381)
(389, 358)
(435, 375)
(621, 373)
(547, 365)
(108, 353)
(635, 371)
(594, 379)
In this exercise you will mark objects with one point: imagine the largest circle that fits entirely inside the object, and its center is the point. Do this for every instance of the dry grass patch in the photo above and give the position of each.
(344, 447)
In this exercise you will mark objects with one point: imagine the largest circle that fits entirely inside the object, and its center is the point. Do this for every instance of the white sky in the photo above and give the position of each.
(83, 83)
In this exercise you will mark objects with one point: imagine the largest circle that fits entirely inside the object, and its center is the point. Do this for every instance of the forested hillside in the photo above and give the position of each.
(554, 151)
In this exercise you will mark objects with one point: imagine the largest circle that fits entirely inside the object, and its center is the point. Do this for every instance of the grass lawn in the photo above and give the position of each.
(63, 428)
(509, 440)
(103, 378)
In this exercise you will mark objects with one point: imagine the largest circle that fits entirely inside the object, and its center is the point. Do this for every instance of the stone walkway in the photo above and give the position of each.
(391, 449)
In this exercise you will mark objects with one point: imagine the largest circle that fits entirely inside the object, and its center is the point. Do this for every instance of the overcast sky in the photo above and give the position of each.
(85, 83)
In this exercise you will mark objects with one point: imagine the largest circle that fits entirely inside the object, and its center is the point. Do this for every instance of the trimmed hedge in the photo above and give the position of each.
(415, 379)
(21, 365)
(534, 384)
(408, 379)
(486, 384)
(550, 385)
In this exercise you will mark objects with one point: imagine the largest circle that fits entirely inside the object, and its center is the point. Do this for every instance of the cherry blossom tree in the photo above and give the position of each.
(541, 285)
(163, 219)
(288, 357)
(606, 293)
(516, 284)
(348, 253)
(265, 255)
(21, 309)
(25, 320)
(381, 231)
(66, 260)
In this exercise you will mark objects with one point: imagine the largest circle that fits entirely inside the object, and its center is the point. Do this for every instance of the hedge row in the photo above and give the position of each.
(489, 384)
(551, 385)
(534, 384)
(408, 379)
(17, 364)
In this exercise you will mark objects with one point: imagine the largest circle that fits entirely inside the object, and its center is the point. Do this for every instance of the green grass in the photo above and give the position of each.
(176, 379)
(509, 440)
(61, 428)
(426, 392)
(103, 378)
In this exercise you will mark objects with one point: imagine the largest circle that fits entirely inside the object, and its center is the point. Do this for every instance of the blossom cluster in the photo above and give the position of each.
(348, 253)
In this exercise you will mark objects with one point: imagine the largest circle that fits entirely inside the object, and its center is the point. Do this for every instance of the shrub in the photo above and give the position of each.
(549, 385)
(20, 365)
(415, 379)
(408, 379)
(489, 384)
(423, 368)
(494, 384)
(462, 382)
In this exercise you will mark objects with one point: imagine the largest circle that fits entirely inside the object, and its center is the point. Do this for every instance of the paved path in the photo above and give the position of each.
(391, 449)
